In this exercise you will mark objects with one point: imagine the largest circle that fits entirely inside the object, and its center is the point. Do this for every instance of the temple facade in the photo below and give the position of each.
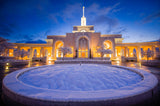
(84, 42)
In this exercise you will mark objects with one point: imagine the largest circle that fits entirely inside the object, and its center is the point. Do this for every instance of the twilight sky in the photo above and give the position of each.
(30, 21)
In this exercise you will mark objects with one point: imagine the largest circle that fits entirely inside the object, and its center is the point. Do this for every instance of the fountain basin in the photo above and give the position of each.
(20, 87)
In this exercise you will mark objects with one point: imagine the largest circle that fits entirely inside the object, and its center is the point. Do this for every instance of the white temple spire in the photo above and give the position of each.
(83, 19)
(83, 11)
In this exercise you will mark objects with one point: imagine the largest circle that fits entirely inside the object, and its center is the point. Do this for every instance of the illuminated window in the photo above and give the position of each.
(83, 30)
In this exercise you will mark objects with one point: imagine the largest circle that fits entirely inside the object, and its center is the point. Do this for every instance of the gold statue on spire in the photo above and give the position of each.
(83, 19)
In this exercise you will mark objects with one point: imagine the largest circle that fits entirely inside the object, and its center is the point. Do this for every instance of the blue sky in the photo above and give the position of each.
(32, 20)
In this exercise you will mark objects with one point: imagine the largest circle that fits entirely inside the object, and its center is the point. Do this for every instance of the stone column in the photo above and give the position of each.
(53, 50)
(138, 53)
(154, 51)
(18, 49)
(113, 49)
(128, 52)
(31, 51)
(42, 52)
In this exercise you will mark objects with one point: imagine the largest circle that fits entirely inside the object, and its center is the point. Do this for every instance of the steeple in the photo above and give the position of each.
(83, 19)
(83, 11)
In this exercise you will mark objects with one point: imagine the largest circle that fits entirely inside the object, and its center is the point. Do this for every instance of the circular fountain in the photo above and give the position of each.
(74, 84)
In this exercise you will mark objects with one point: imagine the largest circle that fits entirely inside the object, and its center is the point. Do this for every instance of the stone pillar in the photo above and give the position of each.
(113, 49)
(31, 51)
(128, 52)
(53, 50)
(154, 51)
(138, 53)
(42, 52)
(122, 52)
(125, 52)
(18, 49)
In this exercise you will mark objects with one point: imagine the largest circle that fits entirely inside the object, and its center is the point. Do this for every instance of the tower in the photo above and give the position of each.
(83, 19)
(83, 27)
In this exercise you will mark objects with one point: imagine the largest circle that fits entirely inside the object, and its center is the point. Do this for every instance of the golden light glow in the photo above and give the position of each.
(107, 44)
(7, 67)
(50, 58)
(139, 57)
(7, 64)
(118, 62)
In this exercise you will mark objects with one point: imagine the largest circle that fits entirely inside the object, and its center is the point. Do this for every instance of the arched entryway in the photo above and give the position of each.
(83, 47)
(108, 45)
(58, 53)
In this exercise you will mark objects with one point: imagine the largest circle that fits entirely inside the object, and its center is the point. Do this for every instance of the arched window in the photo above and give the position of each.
(157, 49)
(35, 53)
(134, 53)
(142, 52)
(83, 30)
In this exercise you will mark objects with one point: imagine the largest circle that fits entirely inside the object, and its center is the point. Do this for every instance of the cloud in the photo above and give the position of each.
(6, 29)
(101, 18)
(22, 38)
(151, 17)
(36, 41)
(106, 22)
(71, 11)
(120, 30)
(31, 41)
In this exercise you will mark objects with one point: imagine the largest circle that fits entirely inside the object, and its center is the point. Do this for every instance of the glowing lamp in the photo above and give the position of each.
(7, 64)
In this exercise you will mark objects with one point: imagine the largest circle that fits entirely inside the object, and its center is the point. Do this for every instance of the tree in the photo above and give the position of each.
(90, 56)
(4, 45)
(20, 53)
(147, 53)
(76, 54)
(103, 51)
(65, 50)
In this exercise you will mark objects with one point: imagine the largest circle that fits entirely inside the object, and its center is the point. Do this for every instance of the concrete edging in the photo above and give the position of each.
(136, 93)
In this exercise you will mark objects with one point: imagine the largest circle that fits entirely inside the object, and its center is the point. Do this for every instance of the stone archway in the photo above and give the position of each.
(108, 45)
(58, 44)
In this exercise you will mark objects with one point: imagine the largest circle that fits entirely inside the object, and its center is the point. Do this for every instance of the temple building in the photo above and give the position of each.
(84, 42)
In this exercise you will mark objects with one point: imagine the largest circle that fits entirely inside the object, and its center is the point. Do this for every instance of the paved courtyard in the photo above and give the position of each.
(4, 70)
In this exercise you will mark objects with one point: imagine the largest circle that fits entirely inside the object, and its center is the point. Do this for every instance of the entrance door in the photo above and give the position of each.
(83, 55)
(83, 48)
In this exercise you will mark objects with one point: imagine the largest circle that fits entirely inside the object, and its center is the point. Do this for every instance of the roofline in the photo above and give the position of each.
(84, 26)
